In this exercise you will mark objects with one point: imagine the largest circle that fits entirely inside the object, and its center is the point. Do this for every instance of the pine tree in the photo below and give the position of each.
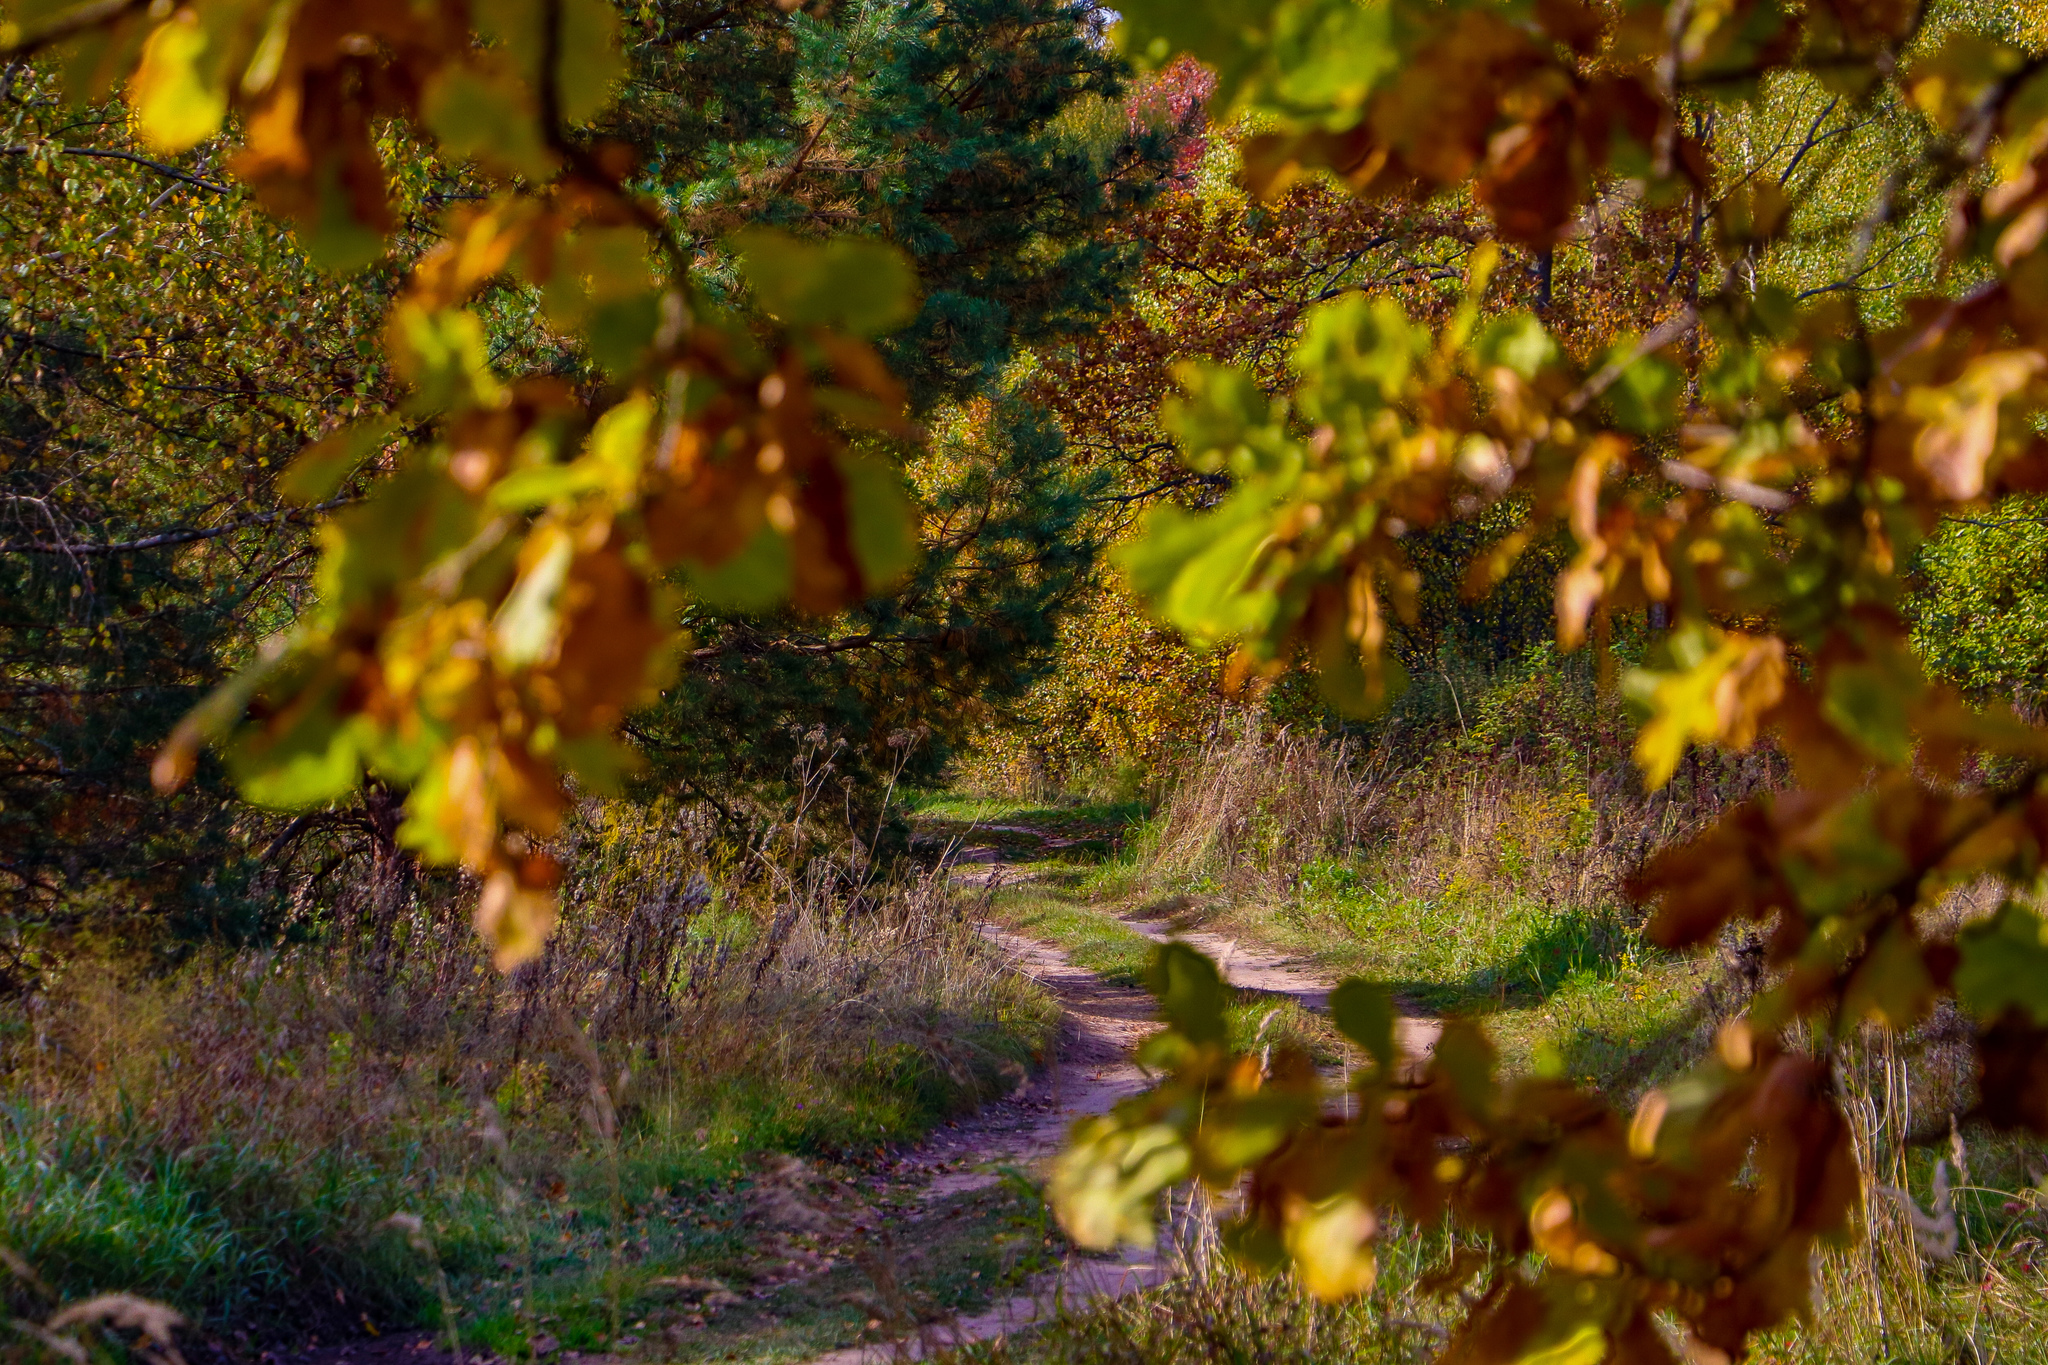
(992, 141)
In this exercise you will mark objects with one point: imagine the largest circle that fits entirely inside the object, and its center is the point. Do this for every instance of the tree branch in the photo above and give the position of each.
(41, 547)
(24, 148)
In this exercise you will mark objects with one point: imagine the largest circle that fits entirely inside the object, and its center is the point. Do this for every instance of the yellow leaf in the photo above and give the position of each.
(176, 106)
(1586, 1346)
(1722, 696)
(513, 919)
(1331, 1242)
(1102, 1185)
(1961, 430)
(527, 626)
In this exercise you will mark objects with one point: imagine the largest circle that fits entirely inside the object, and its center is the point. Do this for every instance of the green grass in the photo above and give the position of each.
(1571, 987)
(231, 1232)
(258, 1240)
(1090, 936)
(967, 1250)
(1081, 832)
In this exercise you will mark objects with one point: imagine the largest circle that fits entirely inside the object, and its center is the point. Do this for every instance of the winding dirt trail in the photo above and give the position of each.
(1090, 1071)
(1089, 1074)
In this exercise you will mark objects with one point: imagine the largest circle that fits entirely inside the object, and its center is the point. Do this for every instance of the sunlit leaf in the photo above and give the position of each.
(176, 92)
(1190, 992)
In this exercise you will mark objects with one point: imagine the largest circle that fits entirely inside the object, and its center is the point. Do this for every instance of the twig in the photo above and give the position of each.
(108, 154)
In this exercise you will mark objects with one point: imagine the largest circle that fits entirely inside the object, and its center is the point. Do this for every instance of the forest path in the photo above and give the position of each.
(1251, 967)
(1090, 1071)
(897, 1225)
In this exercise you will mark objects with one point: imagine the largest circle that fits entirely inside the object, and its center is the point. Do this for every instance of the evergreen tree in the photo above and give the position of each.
(991, 140)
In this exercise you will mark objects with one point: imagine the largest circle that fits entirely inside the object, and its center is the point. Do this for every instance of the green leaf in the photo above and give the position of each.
(883, 521)
(1356, 353)
(1583, 1344)
(2004, 963)
(309, 753)
(1868, 703)
(336, 240)
(412, 519)
(1227, 36)
(1364, 1013)
(1255, 1243)
(589, 64)
(538, 485)
(1218, 417)
(1190, 991)
(486, 117)
(1328, 57)
(443, 352)
(321, 467)
(1194, 569)
(760, 575)
(617, 447)
(620, 331)
(1892, 985)
(599, 762)
(1519, 342)
(1466, 1058)
(1644, 398)
(1357, 687)
(1234, 1135)
(303, 779)
(1331, 1242)
(850, 284)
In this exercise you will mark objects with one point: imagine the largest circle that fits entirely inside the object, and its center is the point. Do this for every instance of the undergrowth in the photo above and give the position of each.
(233, 1138)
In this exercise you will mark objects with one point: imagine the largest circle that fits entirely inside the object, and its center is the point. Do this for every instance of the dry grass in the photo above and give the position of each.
(1252, 809)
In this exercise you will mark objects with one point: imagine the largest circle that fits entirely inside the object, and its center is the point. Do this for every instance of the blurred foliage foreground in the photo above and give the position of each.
(1753, 468)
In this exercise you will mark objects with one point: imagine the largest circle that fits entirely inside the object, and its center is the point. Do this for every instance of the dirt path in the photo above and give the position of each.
(1089, 1073)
